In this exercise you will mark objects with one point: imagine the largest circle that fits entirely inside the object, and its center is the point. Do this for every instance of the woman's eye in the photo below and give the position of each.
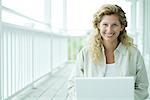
(105, 24)
(115, 24)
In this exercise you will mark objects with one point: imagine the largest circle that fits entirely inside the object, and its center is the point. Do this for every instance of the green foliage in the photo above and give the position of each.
(74, 46)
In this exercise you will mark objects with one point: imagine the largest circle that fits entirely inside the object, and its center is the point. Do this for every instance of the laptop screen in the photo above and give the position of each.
(105, 88)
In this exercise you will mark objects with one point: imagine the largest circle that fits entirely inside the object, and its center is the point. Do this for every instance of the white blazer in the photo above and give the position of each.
(128, 62)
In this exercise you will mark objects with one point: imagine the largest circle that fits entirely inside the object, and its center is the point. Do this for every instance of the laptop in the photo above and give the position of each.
(105, 88)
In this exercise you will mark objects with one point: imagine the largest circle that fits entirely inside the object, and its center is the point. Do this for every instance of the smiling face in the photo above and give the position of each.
(110, 28)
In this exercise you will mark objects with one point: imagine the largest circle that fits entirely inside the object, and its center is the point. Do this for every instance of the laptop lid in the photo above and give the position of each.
(105, 88)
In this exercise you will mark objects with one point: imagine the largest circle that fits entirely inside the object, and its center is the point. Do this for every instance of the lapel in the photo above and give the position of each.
(121, 61)
(102, 65)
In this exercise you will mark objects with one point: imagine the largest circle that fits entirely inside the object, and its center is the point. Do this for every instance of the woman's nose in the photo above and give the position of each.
(109, 29)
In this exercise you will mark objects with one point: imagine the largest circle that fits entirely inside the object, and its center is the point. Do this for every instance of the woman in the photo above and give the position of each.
(111, 52)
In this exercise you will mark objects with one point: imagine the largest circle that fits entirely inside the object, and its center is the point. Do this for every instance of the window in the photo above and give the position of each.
(33, 9)
(80, 14)
(57, 15)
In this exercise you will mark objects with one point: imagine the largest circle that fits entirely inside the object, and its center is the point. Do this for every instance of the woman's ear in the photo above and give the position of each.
(122, 28)
(98, 25)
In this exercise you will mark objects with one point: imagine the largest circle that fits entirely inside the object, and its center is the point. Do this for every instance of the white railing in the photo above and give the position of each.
(26, 56)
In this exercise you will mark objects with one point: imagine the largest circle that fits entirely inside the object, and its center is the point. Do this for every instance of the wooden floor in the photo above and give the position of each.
(55, 88)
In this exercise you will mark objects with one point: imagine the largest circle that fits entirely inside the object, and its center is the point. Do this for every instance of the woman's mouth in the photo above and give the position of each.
(109, 35)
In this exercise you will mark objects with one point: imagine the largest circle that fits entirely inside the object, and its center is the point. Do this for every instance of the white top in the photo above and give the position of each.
(111, 70)
(128, 62)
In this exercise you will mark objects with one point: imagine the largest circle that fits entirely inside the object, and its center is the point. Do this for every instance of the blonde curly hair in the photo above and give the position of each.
(95, 40)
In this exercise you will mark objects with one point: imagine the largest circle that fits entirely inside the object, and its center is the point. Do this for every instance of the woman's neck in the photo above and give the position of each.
(109, 51)
(110, 46)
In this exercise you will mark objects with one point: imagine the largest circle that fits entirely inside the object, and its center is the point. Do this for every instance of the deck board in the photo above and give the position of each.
(55, 88)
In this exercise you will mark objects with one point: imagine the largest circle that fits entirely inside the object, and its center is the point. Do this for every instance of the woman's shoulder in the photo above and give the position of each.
(83, 53)
(133, 49)
(84, 49)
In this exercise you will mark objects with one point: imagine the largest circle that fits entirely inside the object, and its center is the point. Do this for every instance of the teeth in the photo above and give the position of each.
(109, 35)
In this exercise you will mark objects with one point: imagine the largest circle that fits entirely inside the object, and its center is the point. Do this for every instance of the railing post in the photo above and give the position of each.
(1, 74)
